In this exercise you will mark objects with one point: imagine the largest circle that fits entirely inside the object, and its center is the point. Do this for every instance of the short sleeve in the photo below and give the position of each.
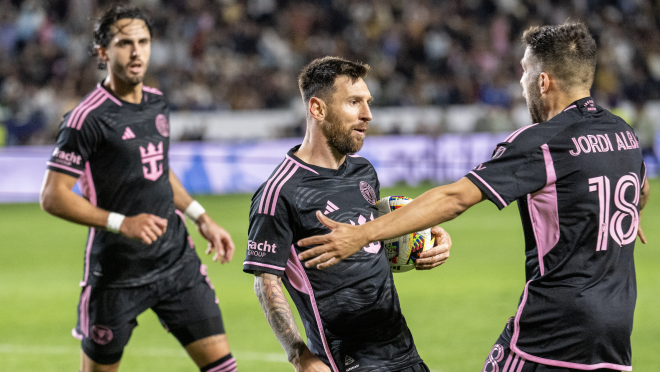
(73, 148)
(269, 242)
(511, 173)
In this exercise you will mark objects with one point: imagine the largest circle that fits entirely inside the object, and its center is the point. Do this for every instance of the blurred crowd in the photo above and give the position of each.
(246, 54)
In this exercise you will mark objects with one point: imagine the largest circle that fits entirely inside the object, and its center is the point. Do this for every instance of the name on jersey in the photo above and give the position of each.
(602, 143)
(66, 158)
(260, 249)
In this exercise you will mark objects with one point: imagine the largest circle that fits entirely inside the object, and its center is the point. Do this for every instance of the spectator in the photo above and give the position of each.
(240, 54)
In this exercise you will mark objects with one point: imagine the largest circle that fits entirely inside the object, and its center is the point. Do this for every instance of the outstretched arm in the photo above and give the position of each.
(220, 241)
(435, 206)
(57, 198)
(268, 288)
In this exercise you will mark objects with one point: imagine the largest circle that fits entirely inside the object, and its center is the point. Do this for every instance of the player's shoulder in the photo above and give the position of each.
(278, 191)
(361, 168)
(620, 122)
(359, 160)
(92, 105)
(529, 136)
(153, 94)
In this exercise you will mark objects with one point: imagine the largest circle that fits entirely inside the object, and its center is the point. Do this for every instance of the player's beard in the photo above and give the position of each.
(122, 73)
(534, 103)
(339, 138)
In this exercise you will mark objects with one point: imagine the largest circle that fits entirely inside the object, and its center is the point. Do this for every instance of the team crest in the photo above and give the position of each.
(162, 125)
(368, 192)
(100, 334)
(498, 152)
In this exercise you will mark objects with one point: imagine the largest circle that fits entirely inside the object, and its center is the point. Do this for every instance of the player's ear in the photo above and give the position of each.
(544, 82)
(101, 52)
(317, 108)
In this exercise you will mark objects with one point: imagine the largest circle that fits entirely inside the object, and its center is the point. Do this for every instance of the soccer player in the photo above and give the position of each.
(139, 254)
(351, 312)
(579, 181)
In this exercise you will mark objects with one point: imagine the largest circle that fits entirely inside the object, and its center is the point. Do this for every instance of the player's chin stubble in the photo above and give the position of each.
(122, 73)
(338, 138)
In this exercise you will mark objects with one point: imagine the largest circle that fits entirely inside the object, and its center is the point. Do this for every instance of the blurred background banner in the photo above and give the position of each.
(217, 168)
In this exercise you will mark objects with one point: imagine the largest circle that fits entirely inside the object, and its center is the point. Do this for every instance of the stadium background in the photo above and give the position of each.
(445, 74)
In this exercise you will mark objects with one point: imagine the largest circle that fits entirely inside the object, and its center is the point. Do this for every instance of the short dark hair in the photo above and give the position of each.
(568, 51)
(102, 28)
(317, 79)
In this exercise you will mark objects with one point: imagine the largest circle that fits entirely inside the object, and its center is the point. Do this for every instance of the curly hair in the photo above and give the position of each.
(568, 51)
(317, 79)
(103, 27)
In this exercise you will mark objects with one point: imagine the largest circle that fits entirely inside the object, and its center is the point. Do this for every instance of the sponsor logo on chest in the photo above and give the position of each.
(151, 156)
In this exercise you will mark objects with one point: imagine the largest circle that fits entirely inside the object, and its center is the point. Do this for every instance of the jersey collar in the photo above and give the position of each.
(120, 101)
(321, 171)
(584, 106)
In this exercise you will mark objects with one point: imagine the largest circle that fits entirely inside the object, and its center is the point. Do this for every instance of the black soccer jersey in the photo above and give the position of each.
(351, 310)
(577, 179)
(119, 152)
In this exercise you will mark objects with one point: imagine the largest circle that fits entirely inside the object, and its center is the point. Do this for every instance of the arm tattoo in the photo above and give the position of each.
(268, 288)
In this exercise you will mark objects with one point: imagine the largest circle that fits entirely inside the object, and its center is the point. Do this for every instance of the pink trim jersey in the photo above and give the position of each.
(577, 180)
(118, 152)
(350, 311)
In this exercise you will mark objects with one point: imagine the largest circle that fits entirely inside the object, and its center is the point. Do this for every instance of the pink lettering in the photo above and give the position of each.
(577, 147)
(594, 143)
(619, 143)
(604, 142)
(609, 142)
(584, 144)
(264, 247)
(67, 157)
(623, 138)
(632, 139)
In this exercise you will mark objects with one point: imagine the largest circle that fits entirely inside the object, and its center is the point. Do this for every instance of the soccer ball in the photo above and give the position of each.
(402, 252)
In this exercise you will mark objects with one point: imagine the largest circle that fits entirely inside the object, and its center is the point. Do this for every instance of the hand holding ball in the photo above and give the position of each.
(402, 252)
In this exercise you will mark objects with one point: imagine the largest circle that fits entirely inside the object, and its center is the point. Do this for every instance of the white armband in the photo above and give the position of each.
(114, 222)
(194, 210)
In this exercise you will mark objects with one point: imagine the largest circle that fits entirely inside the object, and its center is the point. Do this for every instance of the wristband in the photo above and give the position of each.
(194, 210)
(114, 222)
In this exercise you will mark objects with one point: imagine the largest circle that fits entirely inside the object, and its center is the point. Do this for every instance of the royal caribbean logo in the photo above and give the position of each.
(151, 156)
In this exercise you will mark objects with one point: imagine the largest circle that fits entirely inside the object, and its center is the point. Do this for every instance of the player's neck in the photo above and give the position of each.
(555, 104)
(316, 151)
(123, 91)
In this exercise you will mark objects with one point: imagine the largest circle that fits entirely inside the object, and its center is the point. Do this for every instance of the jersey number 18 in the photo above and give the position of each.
(614, 227)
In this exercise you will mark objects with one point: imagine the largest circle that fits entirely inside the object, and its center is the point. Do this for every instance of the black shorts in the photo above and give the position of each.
(503, 359)
(185, 303)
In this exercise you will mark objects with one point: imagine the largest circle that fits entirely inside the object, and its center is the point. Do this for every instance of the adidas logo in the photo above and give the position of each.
(128, 134)
(330, 207)
(348, 360)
